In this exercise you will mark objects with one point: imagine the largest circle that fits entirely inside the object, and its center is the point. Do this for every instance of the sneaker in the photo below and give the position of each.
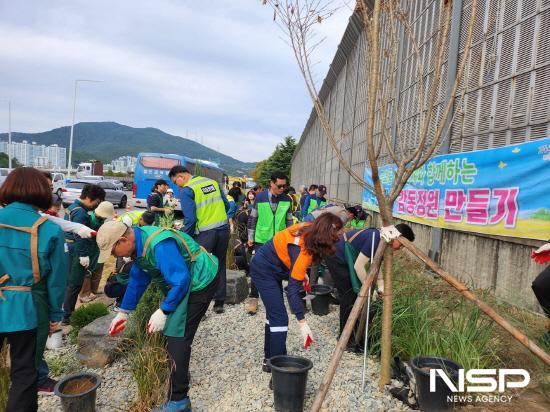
(66, 322)
(175, 406)
(46, 389)
(251, 306)
(218, 307)
(265, 366)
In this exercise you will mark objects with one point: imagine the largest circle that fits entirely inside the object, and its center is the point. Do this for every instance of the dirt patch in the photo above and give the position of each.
(78, 386)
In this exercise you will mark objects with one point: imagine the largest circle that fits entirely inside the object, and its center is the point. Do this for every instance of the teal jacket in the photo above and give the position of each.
(18, 311)
(78, 213)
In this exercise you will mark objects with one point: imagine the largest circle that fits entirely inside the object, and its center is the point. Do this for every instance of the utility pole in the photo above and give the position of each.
(9, 135)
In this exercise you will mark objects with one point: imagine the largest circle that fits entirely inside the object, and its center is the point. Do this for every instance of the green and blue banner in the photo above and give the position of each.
(503, 191)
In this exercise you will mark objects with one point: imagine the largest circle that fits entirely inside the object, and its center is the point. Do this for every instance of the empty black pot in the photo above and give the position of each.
(289, 374)
(320, 304)
(78, 402)
(439, 399)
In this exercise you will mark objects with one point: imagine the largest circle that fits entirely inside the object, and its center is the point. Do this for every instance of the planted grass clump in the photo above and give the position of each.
(148, 356)
(85, 315)
(430, 319)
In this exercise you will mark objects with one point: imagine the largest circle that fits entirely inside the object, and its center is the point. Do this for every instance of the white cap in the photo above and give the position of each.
(107, 235)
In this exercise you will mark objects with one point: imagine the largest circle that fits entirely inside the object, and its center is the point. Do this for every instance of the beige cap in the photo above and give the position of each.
(107, 235)
(105, 210)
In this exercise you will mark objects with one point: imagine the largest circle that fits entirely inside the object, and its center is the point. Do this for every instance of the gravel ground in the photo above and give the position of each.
(226, 370)
(116, 393)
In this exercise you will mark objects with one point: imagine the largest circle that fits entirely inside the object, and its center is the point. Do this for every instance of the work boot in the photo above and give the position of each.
(175, 406)
(251, 306)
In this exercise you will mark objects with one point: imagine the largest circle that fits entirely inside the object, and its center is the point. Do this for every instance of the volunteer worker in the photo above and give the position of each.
(287, 257)
(188, 273)
(347, 267)
(32, 255)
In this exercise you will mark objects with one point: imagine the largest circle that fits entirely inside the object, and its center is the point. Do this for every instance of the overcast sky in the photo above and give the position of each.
(215, 69)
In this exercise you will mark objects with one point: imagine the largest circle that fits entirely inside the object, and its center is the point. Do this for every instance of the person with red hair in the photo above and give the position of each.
(287, 257)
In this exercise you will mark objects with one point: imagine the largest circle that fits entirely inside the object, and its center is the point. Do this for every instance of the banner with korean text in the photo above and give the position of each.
(503, 191)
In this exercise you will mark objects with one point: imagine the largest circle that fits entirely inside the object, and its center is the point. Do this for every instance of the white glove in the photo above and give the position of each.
(127, 220)
(543, 248)
(118, 324)
(84, 261)
(388, 233)
(85, 232)
(126, 259)
(156, 322)
(379, 292)
(307, 336)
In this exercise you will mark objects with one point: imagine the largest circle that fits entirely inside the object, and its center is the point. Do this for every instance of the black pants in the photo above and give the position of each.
(23, 395)
(340, 276)
(541, 288)
(179, 349)
(216, 241)
(69, 303)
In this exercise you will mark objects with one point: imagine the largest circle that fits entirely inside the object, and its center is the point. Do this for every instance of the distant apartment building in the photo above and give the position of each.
(124, 164)
(32, 154)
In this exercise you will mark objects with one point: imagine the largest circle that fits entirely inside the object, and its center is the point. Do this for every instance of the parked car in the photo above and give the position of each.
(58, 180)
(118, 184)
(4, 172)
(73, 189)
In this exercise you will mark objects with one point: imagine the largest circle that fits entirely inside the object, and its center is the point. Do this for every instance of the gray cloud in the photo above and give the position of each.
(217, 69)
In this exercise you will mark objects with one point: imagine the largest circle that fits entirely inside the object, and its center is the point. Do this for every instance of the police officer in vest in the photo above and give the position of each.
(271, 213)
(184, 272)
(205, 208)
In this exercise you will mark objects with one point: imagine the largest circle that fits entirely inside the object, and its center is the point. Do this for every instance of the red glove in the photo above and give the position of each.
(306, 285)
(541, 257)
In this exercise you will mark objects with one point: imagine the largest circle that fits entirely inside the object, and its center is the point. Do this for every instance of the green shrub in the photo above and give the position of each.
(84, 315)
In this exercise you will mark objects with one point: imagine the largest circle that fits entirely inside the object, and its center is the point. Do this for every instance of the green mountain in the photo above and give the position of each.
(106, 141)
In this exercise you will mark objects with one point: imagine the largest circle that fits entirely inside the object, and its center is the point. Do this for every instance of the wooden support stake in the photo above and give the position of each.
(465, 291)
(348, 329)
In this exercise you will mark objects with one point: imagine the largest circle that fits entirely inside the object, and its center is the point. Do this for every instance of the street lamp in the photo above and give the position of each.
(72, 126)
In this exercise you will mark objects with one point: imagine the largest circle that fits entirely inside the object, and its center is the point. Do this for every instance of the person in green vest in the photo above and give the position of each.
(205, 208)
(359, 217)
(271, 213)
(132, 218)
(314, 201)
(90, 287)
(186, 274)
(79, 248)
(348, 268)
(33, 275)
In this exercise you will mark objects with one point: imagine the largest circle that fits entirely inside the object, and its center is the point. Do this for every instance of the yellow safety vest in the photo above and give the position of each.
(210, 208)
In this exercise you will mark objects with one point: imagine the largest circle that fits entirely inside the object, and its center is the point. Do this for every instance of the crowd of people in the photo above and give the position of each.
(49, 263)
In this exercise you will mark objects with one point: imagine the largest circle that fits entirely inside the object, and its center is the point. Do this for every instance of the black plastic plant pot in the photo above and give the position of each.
(289, 374)
(321, 303)
(441, 398)
(78, 391)
(302, 296)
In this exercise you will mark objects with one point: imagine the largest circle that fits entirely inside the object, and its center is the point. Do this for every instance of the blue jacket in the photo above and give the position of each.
(307, 201)
(173, 268)
(189, 209)
(18, 311)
